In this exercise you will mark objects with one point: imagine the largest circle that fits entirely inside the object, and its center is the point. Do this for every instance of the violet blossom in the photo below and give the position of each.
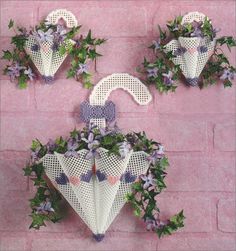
(197, 31)
(72, 145)
(29, 73)
(156, 155)
(45, 207)
(167, 77)
(227, 75)
(152, 225)
(152, 72)
(93, 144)
(124, 149)
(51, 145)
(47, 36)
(83, 68)
(14, 70)
(156, 44)
(148, 180)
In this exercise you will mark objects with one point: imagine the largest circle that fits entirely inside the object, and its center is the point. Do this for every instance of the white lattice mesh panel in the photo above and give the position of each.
(113, 167)
(137, 165)
(115, 81)
(193, 16)
(54, 16)
(53, 169)
(96, 201)
(45, 59)
(192, 61)
(84, 191)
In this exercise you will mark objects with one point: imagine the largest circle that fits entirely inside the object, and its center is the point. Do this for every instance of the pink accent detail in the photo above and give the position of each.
(113, 179)
(192, 50)
(74, 180)
(45, 47)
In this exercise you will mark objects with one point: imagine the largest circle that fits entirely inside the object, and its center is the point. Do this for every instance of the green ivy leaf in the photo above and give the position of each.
(10, 24)
(22, 81)
(7, 55)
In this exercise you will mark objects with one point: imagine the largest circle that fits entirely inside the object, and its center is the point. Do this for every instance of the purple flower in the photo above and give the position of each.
(152, 225)
(45, 36)
(93, 144)
(45, 207)
(156, 44)
(152, 72)
(83, 68)
(14, 70)
(148, 180)
(72, 145)
(51, 145)
(180, 51)
(35, 154)
(168, 78)
(29, 73)
(227, 75)
(197, 31)
(156, 155)
(124, 149)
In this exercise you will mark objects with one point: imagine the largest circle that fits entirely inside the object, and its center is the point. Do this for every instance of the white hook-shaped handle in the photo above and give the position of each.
(70, 19)
(124, 81)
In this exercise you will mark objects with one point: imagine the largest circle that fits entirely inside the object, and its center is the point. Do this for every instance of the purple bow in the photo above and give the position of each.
(88, 111)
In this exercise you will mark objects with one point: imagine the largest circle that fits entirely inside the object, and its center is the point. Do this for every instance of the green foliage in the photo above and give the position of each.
(81, 50)
(163, 64)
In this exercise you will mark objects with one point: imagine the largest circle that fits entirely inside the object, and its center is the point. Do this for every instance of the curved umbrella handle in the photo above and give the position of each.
(70, 19)
(124, 81)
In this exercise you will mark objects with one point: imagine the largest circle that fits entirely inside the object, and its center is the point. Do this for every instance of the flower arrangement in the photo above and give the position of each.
(189, 49)
(46, 203)
(54, 42)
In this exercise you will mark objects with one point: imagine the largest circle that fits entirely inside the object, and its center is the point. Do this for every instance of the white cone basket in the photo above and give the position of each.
(97, 188)
(47, 60)
(96, 201)
(193, 60)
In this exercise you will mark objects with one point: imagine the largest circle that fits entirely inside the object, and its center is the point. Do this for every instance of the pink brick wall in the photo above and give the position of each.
(197, 128)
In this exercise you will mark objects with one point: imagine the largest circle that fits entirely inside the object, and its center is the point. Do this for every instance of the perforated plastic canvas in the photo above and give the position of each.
(47, 60)
(96, 188)
(197, 51)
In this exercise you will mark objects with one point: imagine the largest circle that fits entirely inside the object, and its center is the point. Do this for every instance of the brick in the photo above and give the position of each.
(126, 220)
(14, 211)
(121, 21)
(197, 243)
(174, 134)
(197, 211)
(12, 174)
(224, 173)
(124, 54)
(226, 215)
(224, 137)
(187, 174)
(25, 129)
(13, 244)
(112, 241)
(189, 100)
(14, 99)
(63, 95)
(22, 16)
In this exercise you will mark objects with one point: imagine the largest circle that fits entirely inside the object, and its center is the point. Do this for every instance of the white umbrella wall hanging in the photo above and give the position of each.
(46, 46)
(98, 169)
(190, 51)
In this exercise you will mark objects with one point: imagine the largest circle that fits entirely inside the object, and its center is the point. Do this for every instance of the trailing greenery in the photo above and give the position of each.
(165, 75)
(45, 204)
(81, 50)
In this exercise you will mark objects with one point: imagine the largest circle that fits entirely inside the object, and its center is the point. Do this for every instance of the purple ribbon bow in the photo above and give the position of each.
(88, 111)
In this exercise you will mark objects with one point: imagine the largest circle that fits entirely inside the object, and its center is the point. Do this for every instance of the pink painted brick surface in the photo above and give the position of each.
(196, 127)
(13, 99)
(224, 137)
(226, 215)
